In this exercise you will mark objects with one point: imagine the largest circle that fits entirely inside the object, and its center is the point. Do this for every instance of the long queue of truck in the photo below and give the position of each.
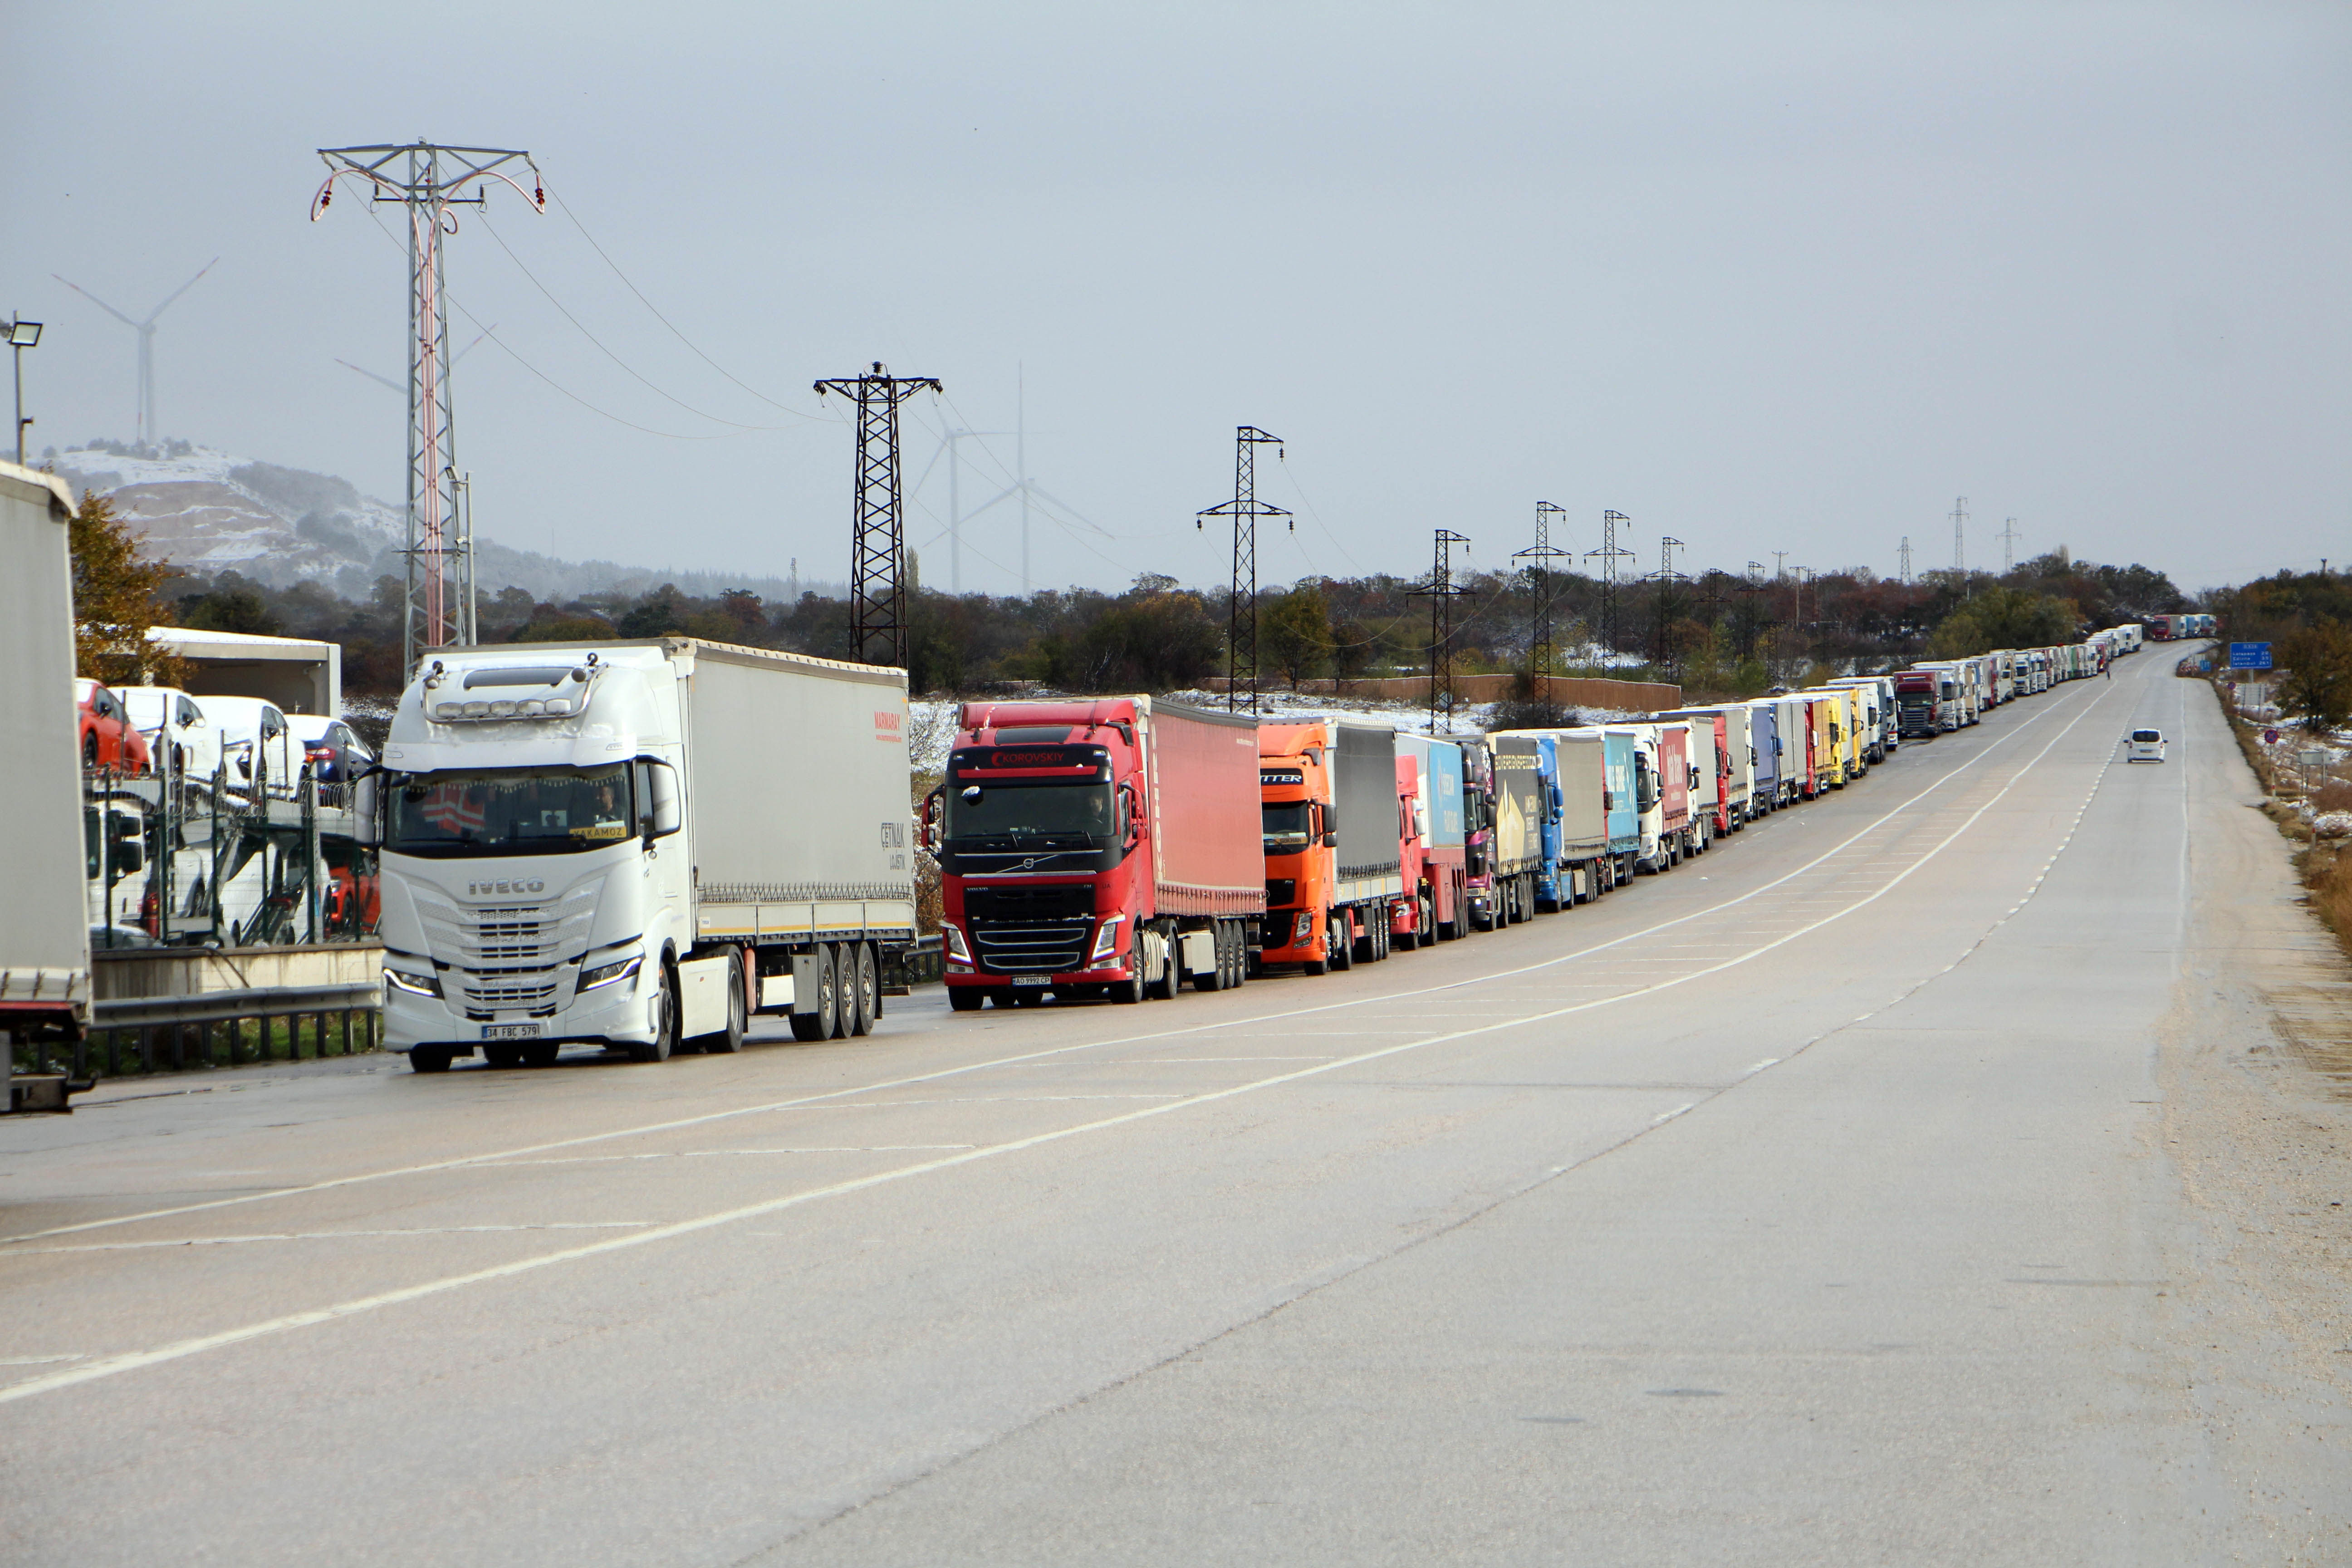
(1122, 848)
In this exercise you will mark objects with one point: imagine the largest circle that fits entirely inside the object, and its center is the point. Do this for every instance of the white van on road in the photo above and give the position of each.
(2144, 746)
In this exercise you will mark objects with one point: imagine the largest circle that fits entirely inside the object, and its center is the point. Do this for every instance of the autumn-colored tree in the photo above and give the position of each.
(2317, 679)
(114, 600)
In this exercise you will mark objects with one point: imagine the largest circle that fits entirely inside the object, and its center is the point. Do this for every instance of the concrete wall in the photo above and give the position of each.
(192, 971)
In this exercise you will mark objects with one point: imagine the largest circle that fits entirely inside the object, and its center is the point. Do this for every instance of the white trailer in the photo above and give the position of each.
(639, 844)
(44, 938)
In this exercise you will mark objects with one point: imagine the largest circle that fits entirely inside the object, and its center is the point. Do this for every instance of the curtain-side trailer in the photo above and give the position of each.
(44, 987)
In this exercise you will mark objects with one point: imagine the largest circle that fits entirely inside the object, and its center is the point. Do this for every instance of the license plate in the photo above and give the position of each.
(510, 1031)
(1032, 980)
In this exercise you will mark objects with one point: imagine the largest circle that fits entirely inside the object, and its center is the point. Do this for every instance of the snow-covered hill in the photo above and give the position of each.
(209, 512)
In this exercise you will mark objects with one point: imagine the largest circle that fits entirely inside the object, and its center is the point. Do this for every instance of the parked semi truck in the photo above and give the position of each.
(1335, 839)
(1112, 847)
(639, 844)
(1442, 861)
(44, 938)
(1601, 819)
(1521, 804)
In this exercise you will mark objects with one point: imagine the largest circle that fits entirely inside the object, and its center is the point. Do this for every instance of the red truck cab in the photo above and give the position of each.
(1096, 848)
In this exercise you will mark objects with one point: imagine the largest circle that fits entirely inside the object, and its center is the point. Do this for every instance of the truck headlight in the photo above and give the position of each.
(1107, 939)
(952, 934)
(1302, 929)
(415, 984)
(609, 973)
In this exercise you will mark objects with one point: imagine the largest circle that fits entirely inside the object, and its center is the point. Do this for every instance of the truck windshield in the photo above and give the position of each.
(1286, 825)
(1030, 810)
(508, 811)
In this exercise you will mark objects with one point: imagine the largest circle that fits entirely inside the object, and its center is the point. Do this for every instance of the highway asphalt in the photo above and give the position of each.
(1847, 1196)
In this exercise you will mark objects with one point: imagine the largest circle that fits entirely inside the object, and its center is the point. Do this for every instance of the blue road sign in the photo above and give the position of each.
(2250, 655)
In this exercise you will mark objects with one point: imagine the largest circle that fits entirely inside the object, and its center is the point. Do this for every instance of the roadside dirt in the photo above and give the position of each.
(2256, 1068)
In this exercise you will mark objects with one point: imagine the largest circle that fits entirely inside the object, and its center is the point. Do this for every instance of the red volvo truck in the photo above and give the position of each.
(1337, 802)
(1108, 847)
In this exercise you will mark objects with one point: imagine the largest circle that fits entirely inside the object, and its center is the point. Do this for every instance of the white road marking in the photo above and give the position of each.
(1767, 1062)
(40, 1360)
(498, 1156)
(133, 1361)
(332, 1236)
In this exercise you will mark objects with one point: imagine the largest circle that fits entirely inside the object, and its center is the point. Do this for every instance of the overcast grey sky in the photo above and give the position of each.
(1768, 277)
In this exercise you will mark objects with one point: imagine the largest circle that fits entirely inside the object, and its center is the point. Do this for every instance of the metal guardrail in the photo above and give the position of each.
(207, 1006)
(209, 1029)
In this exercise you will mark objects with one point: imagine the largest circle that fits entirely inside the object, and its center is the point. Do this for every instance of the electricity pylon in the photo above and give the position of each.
(431, 180)
(1610, 555)
(1245, 509)
(1442, 591)
(877, 551)
(1543, 552)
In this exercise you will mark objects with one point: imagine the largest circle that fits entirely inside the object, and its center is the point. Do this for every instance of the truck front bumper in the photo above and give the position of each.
(622, 1011)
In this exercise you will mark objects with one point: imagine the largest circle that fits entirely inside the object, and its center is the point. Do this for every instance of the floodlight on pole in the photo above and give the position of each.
(22, 335)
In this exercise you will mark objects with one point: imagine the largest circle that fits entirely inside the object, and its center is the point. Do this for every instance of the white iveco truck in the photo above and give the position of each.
(639, 844)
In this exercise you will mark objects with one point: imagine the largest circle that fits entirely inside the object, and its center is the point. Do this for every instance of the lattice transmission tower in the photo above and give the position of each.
(432, 181)
(878, 527)
(1903, 561)
(1541, 554)
(1609, 554)
(2009, 537)
(1667, 578)
(1442, 591)
(1245, 509)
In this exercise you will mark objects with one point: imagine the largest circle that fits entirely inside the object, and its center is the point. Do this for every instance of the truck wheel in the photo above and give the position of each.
(816, 1025)
(503, 1058)
(664, 1038)
(1161, 986)
(1424, 925)
(1129, 991)
(728, 1040)
(1215, 980)
(832, 1006)
(966, 998)
(866, 991)
(542, 1054)
(1337, 942)
(429, 1059)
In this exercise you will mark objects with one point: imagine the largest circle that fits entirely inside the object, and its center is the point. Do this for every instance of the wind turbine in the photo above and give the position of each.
(146, 330)
(949, 438)
(1024, 486)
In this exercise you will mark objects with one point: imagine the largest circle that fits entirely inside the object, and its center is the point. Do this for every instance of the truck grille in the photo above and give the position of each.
(1032, 946)
(510, 936)
(510, 993)
(1281, 892)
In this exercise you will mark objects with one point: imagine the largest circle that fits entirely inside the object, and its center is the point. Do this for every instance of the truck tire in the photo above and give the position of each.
(864, 995)
(1161, 986)
(818, 1026)
(504, 1058)
(542, 1054)
(966, 998)
(664, 1038)
(727, 1041)
(429, 1059)
(1338, 942)
(1215, 980)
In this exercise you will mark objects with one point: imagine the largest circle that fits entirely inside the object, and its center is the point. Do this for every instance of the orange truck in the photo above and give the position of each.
(1336, 817)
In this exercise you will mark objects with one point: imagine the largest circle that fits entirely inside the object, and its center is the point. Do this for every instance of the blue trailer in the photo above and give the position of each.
(1624, 808)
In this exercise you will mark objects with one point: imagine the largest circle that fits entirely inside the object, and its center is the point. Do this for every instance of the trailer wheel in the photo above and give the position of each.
(866, 991)
(966, 998)
(429, 1059)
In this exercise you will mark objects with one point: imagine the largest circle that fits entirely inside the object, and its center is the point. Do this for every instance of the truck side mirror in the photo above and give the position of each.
(1330, 825)
(659, 811)
(367, 806)
(932, 805)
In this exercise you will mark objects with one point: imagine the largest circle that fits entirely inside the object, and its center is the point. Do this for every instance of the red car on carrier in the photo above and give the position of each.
(108, 738)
